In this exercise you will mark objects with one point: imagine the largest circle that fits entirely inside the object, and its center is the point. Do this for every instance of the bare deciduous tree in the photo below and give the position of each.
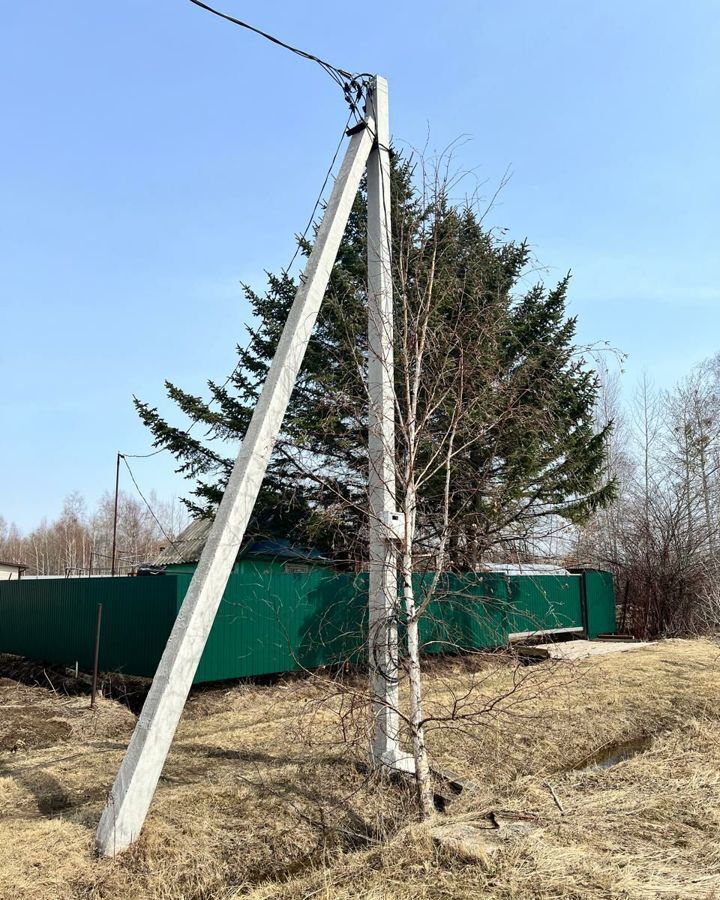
(660, 537)
(80, 543)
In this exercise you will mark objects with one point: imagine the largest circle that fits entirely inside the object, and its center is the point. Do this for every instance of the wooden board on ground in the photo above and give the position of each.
(571, 650)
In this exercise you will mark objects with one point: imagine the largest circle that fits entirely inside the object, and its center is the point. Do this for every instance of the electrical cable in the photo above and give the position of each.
(143, 455)
(300, 240)
(319, 196)
(352, 85)
(144, 499)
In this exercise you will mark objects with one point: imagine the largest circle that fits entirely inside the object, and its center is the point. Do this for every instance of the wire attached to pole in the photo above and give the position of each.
(353, 86)
(300, 239)
(144, 499)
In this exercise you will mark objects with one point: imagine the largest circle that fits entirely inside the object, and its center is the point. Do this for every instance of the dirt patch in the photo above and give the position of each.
(129, 691)
(23, 729)
(480, 841)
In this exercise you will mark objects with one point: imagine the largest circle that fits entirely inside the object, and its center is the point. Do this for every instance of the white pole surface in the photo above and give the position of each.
(382, 637)
(137, 778)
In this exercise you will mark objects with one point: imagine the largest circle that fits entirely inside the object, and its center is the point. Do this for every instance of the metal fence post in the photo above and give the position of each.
(97, 655)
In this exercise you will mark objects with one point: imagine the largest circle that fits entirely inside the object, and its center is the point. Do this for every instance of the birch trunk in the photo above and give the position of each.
(417, 728)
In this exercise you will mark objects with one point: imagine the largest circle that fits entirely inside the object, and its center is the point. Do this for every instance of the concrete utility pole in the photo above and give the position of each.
(385, 521)
(137, 778)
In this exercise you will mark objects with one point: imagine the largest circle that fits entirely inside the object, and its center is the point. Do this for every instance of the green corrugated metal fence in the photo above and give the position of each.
(599, 588)
(54, 620)
(476, 611)
(275, 620)
(271, 620)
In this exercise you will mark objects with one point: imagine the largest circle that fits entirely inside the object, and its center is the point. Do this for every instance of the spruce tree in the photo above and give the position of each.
(527, 446)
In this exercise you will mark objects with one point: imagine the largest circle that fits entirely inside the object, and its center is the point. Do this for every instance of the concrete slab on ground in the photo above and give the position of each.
(572, 650)
(481, 840)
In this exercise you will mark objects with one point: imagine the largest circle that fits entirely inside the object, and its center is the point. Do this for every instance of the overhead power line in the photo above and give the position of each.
(145, 501)
(352, 85)
(354, 88)
(300, 241)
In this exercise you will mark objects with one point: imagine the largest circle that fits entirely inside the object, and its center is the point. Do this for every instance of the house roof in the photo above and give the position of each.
(188, 545)
(15, 565)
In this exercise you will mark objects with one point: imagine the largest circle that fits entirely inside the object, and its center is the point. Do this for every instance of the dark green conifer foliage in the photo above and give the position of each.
(502, 352)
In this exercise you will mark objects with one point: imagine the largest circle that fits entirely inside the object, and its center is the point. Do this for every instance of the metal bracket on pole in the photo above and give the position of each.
(137, 778)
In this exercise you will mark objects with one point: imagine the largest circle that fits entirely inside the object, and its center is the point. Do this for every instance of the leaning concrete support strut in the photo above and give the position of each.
(137, 778)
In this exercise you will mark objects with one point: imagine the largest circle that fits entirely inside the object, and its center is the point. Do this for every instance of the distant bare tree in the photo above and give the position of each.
(661, 536)
(80, 543)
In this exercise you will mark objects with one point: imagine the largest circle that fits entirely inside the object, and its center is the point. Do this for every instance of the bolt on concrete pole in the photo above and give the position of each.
(383, 599)
(137, 778)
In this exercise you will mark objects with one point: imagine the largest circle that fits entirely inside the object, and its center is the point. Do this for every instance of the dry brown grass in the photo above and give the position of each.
(247, 806)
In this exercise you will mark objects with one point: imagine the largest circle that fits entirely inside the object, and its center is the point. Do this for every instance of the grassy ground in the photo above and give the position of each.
(263, 796)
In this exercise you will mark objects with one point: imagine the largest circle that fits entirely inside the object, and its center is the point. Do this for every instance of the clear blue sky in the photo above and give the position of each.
(154, 156)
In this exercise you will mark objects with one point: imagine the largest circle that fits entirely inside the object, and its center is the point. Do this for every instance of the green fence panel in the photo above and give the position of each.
(475, 611)
(466, 612)
(54, 621)
(271, 620)
(600, 593)
(275, 618)
(544, 603)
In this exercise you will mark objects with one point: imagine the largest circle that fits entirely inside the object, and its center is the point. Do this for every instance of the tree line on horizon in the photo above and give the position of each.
(78, 542)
